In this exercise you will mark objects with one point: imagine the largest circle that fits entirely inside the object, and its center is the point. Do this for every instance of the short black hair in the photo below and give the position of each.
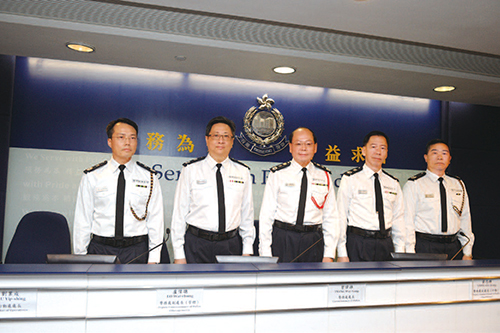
(291, 134)
(110, 128)
(375, 133)
(218, 120)
(434, 142)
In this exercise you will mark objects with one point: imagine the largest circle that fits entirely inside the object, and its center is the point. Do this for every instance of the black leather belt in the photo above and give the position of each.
(369, 233)
(297, 228)
(124, 242)
(210, 235)
(438, 238)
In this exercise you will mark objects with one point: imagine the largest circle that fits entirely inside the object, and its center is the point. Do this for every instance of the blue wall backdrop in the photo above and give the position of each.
(66, 106)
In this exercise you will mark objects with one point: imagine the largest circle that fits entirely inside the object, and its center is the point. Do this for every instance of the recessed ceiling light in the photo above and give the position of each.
(444, 88)
(180, 58)
(284, 70)
(79, 47)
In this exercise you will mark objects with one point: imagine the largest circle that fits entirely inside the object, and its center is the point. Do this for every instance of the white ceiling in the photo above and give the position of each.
(434, 42)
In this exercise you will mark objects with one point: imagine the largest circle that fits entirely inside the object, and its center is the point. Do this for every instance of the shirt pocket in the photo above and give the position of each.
(103, 197)
(203, 193)
(138, 199)
(319, 194)
(457, 198)
(234, 192)
(289, 193)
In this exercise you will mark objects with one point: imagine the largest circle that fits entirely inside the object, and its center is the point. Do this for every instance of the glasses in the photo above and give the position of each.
(217, 137)
(123, 138)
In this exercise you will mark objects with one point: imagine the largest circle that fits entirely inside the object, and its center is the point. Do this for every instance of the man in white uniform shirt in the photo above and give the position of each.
(213, 205)
(298, 218)
(437, 211)
(119, 206)
(371, 207)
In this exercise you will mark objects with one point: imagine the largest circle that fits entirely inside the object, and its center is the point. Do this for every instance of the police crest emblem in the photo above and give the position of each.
(263, 129)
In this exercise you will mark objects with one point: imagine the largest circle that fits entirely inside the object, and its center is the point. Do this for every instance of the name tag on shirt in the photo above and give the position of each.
(201, 182)
(429, 196)
(362, 192)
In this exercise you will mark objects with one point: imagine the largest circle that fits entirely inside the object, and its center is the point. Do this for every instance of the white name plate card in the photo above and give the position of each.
(181, 300)
(18, 303)
(486, 289)
(344, 294)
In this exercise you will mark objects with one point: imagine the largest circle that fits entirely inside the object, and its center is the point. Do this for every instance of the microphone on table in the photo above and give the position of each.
(468, 241)
(167, 231)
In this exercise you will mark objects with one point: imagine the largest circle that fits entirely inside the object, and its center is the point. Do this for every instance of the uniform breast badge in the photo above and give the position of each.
(263, 129)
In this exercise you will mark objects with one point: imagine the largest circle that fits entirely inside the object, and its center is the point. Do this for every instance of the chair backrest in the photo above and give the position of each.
(39, 234)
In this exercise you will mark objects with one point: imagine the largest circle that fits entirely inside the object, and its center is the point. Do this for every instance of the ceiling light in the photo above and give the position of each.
(444, 89)
(79, 47)
(180, 58)
(284, 70)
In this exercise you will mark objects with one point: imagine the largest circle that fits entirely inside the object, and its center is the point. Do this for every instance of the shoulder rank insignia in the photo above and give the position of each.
(388, 174)
(417, 176)
(453, 176)
(281, 166)
(322, 167)
(146, 167)
(352, 171)
(194, 161)
(240, 163)
(95, 167)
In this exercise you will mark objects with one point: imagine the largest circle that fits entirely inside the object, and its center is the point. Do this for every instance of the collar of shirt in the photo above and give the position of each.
(298, 168)
(114, 165)
(369, 172)
(434, 178)
(212, 163)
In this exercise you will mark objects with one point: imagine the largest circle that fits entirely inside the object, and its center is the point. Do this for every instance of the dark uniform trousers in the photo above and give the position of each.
(200, 250)
(426, 246)
(288, 245)
(125, 254)
(362, 248)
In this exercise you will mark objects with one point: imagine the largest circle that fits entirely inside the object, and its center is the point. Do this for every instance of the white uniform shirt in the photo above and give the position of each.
(356, 203)
(423, 209)
(96, 206)
(196, 201)
(281, 202)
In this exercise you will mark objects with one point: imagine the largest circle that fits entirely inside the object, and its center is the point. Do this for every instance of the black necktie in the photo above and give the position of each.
(120, 203)
(220, 197)
(379, 203)
(444, 211)
(302, 200)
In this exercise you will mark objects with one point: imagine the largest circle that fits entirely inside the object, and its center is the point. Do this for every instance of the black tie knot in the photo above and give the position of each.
(121, 167)
(440, 179)
(304, 169)
(375, 175)
(218, 166)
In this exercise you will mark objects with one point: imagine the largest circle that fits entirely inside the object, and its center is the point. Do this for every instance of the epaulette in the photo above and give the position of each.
(417, 176)
(194, 161)
(241, 163)
(453, 176)
(95, 167)
(146, 167)
(322, 167)
(388, 174)
(281, 166)
(352, 171)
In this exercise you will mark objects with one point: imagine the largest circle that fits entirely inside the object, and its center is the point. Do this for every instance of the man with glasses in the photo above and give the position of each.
(298, 218)
(119, 206)
(213, 205)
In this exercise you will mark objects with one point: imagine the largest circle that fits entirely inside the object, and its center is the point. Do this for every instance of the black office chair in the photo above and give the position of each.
(39, 234)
